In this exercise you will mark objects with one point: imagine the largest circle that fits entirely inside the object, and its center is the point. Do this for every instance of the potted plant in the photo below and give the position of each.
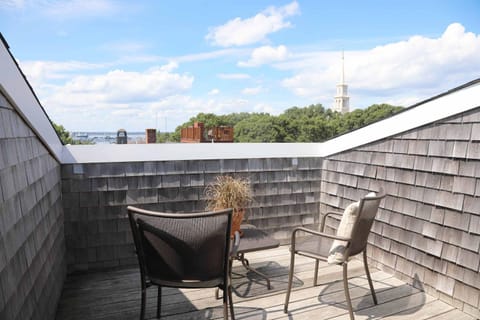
(229, 192)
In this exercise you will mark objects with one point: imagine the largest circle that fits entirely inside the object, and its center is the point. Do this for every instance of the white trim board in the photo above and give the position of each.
(18, 92)
(186, 151)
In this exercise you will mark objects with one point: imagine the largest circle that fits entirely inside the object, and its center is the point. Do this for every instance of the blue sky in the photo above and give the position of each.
(105, 65)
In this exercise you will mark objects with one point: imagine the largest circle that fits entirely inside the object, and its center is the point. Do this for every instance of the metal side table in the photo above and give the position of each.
(253, 240)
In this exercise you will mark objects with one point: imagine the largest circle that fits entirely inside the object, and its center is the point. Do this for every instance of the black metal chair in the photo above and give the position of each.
(184, 250)
(338, 249)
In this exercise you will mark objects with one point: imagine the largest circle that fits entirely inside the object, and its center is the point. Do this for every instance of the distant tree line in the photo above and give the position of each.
(309, 124)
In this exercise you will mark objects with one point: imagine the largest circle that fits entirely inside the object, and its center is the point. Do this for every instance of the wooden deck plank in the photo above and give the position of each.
(115, 294)
(452, 314)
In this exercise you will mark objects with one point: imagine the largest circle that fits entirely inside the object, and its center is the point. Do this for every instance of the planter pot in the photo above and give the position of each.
(237, 218)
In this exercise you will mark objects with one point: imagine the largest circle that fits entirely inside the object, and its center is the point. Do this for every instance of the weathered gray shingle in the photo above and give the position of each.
(456, 219)
(468, 259)
(464, 185)
(473, 151)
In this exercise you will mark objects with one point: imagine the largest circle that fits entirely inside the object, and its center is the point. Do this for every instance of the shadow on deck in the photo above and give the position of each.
(115, 294)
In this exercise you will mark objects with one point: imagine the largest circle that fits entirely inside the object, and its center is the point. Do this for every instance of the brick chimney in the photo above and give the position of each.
(151, 135)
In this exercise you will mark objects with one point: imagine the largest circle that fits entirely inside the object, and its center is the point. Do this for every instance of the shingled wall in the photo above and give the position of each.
(429, 225)
(95, 197)
(32, 246)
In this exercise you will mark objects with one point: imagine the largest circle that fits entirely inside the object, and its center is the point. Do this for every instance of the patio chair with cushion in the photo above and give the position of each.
(350, 240)
(183, 250)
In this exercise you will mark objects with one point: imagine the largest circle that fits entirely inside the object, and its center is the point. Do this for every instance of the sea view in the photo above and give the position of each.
(107, 137)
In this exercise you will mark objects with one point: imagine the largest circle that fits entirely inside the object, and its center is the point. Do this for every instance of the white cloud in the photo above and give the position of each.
(239, 32)
(38, 72)
(233, 76)
(416, 68)
(126, 112)
(266, 108)
(213, 92)
(119, 86)
(108, 100)
(113, 99)
(169, 67)
(252, 91)
(12, 4)
(209, 55)
(265, 55)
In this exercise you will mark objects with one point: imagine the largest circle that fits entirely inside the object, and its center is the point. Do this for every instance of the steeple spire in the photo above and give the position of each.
(341, 98)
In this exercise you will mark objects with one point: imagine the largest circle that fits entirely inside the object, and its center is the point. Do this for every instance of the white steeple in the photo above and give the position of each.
(341, 98)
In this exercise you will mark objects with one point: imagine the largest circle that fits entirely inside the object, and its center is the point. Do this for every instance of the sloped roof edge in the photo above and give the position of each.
(15, 86)
(455, 101)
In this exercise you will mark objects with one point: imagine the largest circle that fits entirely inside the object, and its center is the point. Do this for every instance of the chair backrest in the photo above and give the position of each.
(181, 247)
(367, 210)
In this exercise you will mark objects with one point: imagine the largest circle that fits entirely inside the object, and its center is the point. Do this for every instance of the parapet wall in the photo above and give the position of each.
(95, 197)
(32, 246)
(428, 229)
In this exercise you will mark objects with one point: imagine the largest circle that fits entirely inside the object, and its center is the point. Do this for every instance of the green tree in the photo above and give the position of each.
(164, 137)
(259, 127)
(313, 123)
(62, 133)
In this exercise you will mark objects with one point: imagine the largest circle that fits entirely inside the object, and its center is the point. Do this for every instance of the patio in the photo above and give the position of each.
(115, 294)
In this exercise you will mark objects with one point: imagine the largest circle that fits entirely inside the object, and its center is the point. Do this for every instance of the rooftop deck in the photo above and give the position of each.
(63, 210)
(116, 295)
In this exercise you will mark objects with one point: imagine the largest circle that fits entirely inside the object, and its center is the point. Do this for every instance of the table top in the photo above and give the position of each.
(254, 239)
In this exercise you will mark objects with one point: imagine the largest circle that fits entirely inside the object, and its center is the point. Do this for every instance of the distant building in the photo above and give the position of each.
(122, 136)
(342, 100)
(197, 134)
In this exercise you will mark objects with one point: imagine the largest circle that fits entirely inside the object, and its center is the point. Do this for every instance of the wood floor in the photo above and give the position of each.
(116, 295)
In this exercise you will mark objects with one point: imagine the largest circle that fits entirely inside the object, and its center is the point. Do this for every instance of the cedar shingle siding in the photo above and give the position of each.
(95, 196)
(32, 245)
(429, 225)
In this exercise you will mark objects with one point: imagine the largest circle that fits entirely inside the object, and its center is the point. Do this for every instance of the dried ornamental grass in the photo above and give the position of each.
(228, 192)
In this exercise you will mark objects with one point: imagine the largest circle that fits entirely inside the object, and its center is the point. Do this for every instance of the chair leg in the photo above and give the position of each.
(225, 304)
(347, 293)
(159, 301)
(370, 283)
(290, 279)
(315, 276)
(230, 300)
(142, 306)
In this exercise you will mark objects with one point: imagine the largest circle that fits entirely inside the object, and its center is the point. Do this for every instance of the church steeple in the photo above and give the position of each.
(342, 100)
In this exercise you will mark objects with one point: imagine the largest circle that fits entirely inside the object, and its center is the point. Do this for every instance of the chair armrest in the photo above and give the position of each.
(315, 233)
(324, 218)
(236, 244)
(319, 234)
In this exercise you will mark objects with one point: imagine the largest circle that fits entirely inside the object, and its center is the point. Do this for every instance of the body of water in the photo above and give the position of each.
(107, 137)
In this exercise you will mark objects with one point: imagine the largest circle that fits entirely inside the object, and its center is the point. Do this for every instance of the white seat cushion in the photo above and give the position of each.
(337, 251)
